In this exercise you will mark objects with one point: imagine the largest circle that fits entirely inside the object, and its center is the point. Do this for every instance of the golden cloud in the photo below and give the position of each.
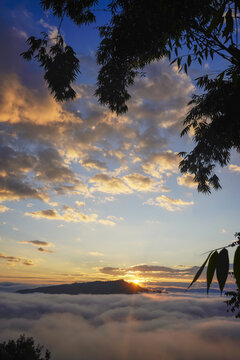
(234, 168)
(169, 203)
(161, 163)
(109, 184)
(12, 260)
(69, 215)
(187, 180)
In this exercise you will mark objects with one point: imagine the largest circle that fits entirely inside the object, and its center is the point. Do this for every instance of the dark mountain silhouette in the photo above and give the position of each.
(95, 287)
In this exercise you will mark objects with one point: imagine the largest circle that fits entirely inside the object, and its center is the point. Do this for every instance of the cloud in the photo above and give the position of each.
(28, 262)
(36, 242)
(44, 250)
(46, 147)
(69, 215)
(169, 203)
(109, 184)
(93, 164)
(14, 188)
(187, 180)
(95, 253)
(107, 222)
(17, 100)
(234, 168)
(147, 272)
(12, 260)
(140, 182)
(161, 96)
(123, 326)
(45, 214)
(3, 208)
(40, 244)
(161, 163)
(80, 203)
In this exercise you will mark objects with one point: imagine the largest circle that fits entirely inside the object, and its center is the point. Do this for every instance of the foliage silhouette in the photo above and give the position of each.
(219, 262)
(59, 62)
(22, 349)
(141, 32)
(234, 302)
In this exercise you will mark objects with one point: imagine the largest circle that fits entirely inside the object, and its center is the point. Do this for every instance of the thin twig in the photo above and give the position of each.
(235, 243)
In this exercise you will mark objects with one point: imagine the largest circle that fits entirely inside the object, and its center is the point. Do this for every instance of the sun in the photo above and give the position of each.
(136, 281)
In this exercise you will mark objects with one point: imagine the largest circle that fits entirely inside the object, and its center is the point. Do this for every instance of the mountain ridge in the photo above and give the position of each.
(93, 287)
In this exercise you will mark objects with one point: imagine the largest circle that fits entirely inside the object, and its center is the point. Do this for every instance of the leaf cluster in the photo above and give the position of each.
(59, 62)
(79, 11)
(218, 262)
(234, 302)
(142, 32)
(22, 349)
(214, 121)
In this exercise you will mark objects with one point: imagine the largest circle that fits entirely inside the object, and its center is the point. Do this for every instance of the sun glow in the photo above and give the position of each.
(136, 281)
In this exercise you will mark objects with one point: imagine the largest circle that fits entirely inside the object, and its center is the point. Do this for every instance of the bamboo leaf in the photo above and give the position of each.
(236, 266)
(199, 271)
(222, 268)
(211, 268)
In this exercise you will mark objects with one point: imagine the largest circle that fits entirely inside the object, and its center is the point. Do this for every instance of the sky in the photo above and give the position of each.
(86, 195)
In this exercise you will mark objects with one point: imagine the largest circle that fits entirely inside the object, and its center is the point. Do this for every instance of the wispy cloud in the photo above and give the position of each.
(36, 242)
(69, 215)
(234, 168)
(169, 203)
(95, 253)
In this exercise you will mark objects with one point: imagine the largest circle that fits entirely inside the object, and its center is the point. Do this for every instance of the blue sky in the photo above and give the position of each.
(82, 190)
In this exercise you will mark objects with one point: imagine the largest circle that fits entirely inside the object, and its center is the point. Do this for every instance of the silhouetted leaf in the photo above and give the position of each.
(222, 268)
(60, 64)
(236, 266)
(211, 268)
(199, 271)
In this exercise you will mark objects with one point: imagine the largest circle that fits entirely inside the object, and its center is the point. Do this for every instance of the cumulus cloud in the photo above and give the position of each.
(46, 147)
(161, 96)
(109, 184)
(169, 203)
(161, 163)
(123, 326)
(140, 182)
(187, 180)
